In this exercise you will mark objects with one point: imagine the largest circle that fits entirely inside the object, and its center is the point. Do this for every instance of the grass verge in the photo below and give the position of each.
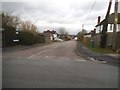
(100, 50)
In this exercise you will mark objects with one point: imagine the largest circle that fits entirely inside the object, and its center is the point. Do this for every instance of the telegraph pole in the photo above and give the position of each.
(104, 31)
(82, 26)
(115, 25)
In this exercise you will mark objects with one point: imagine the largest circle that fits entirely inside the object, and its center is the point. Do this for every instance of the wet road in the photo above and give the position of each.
(55, 66)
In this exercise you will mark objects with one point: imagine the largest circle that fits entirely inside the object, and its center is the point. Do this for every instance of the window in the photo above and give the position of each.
(111, 27)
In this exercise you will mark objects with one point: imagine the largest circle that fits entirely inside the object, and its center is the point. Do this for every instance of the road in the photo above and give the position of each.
(55, 66)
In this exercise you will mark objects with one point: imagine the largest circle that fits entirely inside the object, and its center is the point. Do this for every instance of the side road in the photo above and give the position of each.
(88, 54)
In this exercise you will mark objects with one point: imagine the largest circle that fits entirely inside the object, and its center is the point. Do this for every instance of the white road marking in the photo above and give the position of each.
(41, 52)
(80, 60)
(84, 47)
(18, 57)
(38, 53)
(102, 61)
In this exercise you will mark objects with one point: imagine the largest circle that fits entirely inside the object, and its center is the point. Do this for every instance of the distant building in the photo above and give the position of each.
(48, 36)
(87, 35)
(55, 35)
(51, 36)
(90, 34)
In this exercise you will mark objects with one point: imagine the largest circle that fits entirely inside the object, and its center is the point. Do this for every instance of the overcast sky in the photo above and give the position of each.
(52, 14)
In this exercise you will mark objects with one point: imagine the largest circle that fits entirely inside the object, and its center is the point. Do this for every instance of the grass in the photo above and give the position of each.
(100, 50)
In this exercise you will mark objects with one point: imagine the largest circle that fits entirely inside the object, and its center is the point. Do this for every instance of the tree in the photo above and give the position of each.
(9, 24)
(28, 33)
(28, 26)
(9, 20)
(62, 30)
(81, 34)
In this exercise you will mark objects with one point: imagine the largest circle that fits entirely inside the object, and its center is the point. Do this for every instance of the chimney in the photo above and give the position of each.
(98, 20)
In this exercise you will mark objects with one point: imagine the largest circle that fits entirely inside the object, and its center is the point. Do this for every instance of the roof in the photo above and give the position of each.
(110, 19)
(52, 32)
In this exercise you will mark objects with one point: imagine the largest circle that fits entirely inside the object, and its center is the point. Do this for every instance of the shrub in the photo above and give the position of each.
(8, 35)
(26, 38)
(39, 38)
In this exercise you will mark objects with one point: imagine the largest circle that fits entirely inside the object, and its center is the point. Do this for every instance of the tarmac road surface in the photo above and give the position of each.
(55, 66)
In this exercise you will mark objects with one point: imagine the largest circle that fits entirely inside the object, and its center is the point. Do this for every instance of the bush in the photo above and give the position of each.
(26, 38)
(8, 35)
(39, 38)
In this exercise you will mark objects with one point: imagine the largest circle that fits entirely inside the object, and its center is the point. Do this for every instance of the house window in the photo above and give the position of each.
(98, 29)
(118, 26)
(111, 27)
(101, 27)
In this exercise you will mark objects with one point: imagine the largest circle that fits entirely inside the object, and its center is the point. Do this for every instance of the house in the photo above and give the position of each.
(90, 34)
(87, 35)
(48, 36)
(110, 28)
(51, 36)
(55, 35)
(113, 40)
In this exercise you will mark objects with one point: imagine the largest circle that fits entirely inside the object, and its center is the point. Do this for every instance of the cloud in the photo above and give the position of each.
(70, 14)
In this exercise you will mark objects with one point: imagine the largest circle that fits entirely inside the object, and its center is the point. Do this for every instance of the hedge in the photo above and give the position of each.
(8, 35)
(26, 38)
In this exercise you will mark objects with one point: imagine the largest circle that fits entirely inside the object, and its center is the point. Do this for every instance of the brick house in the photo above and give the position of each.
(99, 26)
(48, 36)
(110, 30)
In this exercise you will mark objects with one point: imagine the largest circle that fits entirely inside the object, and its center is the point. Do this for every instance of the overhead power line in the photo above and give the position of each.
(91, 9)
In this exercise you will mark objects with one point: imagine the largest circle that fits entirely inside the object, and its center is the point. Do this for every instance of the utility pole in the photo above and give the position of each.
(115, 25)
(82, 26)
(105, 25)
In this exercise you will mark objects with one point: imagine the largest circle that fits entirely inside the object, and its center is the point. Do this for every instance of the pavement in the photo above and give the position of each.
(55, 66)
(83, 51)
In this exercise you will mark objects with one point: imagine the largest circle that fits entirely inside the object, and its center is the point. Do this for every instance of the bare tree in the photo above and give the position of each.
(81, 34)
(9, 20)
(62, 30)
(28, 26)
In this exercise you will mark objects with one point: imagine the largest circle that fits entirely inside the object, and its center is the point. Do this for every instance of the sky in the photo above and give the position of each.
(54, 14)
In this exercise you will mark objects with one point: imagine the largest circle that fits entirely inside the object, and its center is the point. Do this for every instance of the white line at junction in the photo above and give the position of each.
(41, 52)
